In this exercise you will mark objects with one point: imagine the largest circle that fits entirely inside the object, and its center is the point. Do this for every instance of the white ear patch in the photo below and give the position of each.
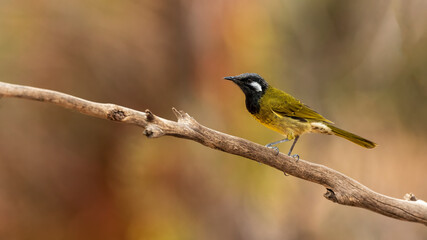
(256, 86)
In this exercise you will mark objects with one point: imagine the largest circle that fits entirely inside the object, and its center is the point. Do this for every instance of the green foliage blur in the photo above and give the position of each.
(64, 175)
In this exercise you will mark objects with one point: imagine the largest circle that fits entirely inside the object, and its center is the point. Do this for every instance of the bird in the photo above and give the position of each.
(285, 114)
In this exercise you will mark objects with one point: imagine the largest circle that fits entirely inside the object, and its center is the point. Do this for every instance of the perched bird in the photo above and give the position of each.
(285, 114)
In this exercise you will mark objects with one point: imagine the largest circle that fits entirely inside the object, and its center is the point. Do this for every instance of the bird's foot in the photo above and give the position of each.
(270, 145)
(274, 148)
(296, 156)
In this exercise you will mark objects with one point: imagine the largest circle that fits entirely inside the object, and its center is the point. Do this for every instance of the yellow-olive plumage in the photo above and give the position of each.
(285, 114)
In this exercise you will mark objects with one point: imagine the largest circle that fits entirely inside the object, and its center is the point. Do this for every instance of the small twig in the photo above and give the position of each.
(340, 188)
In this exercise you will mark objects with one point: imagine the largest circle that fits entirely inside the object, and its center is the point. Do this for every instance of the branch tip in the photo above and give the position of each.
(410, 197)
(153, 131)
(183, 117)
(148, 133)
(330, 195)
(177, 113)
(149, 115)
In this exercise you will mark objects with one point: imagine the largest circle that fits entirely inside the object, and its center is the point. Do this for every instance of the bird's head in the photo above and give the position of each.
(250, 83)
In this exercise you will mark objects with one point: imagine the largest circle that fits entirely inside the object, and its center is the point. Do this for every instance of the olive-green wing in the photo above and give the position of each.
(285, 105)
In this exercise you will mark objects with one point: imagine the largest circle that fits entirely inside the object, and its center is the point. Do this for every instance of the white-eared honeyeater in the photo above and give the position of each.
(285, 114)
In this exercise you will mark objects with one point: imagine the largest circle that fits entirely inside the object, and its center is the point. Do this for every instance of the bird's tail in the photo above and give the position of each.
(352, 137)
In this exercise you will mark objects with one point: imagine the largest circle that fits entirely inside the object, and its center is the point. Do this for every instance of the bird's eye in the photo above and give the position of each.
(256, 86)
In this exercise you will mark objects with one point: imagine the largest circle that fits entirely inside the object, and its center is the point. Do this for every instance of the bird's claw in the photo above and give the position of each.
(274, 148)
(296, 156)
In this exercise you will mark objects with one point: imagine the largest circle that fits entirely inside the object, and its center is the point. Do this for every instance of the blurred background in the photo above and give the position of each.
(64, 175)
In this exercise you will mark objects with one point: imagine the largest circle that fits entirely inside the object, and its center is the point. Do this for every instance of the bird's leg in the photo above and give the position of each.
(270, 145)
(292, 148)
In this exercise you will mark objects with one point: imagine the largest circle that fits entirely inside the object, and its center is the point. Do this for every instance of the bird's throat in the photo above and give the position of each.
(252, 102)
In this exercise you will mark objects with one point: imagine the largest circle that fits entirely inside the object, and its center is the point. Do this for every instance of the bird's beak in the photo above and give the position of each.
(230, 78)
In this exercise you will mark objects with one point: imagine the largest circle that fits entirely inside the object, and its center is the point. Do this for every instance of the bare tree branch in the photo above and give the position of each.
(340, 188)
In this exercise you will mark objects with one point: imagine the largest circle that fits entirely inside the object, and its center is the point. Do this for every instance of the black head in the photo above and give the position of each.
(250, 83)
(253, 86)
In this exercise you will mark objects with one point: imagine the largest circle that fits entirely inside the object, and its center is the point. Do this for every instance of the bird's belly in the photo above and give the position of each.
(286, 126)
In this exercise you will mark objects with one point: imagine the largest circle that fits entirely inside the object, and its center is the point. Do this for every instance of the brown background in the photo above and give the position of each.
(63, 175)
